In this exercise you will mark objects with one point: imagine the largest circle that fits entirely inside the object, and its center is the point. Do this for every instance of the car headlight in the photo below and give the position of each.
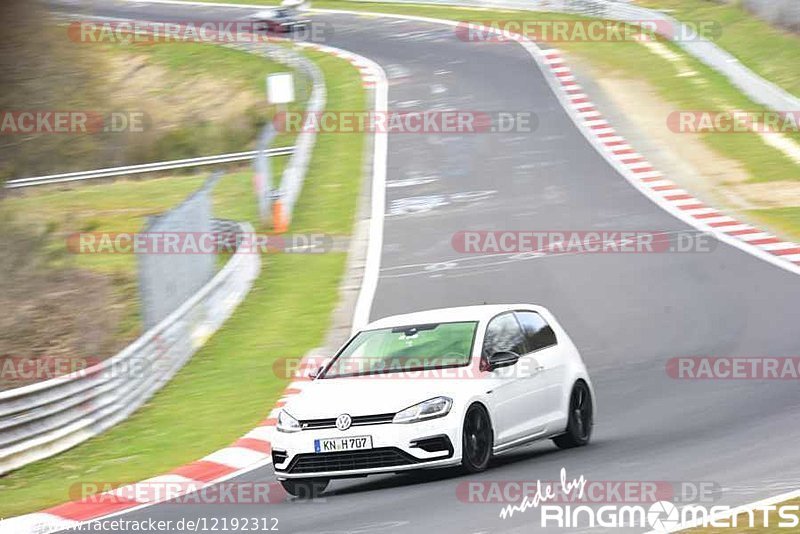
(287, 423)
(430, 409)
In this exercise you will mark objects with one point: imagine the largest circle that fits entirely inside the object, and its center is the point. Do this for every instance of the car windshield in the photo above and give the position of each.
(405, 348)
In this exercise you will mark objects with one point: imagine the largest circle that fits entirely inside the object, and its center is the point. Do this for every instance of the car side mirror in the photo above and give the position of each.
(314, 373)
(503, 358)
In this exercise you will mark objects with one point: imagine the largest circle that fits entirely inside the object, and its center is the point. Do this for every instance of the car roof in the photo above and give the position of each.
(462, 313)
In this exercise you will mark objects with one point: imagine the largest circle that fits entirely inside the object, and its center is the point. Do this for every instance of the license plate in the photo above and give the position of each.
(343, 444)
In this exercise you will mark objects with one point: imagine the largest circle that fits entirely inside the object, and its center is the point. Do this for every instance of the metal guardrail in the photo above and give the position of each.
(46, 418)
(785, 13)
(49, 417)
(751, 84)
(111, 172)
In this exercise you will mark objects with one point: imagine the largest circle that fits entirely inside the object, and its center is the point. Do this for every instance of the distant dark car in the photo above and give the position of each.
(280, 20)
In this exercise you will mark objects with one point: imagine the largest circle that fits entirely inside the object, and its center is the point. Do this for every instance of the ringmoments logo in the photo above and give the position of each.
(557, 508)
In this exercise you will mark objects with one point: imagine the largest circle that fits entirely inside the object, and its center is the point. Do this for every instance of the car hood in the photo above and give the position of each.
(331, 397)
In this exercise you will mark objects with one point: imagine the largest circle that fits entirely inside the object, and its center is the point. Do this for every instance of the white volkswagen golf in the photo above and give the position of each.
(437, 388)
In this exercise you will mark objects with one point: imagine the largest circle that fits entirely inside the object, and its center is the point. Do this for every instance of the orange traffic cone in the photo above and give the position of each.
(279, 222)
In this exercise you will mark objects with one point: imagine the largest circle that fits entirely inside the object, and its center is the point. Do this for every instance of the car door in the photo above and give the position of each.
(541, 344)
(517, 389)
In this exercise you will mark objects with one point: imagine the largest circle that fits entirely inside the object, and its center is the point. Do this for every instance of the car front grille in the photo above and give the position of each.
(350, 460)
(358, 420)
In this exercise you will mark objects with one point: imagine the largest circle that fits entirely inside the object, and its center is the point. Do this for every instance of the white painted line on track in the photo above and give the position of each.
(369, 282)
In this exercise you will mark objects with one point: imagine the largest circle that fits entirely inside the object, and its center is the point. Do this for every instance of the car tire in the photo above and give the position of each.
(305, 488)
(477, 439)
(580, 419)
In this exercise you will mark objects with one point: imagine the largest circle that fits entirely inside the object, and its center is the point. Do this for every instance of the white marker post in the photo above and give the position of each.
(280, 88)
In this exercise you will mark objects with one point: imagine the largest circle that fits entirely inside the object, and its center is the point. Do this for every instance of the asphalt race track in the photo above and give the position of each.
(628, 313)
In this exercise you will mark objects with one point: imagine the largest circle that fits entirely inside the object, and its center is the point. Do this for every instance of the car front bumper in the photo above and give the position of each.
(395, 447)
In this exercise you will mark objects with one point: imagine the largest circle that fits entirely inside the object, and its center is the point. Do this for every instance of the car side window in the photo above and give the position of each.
(538, 334)
(503, 334)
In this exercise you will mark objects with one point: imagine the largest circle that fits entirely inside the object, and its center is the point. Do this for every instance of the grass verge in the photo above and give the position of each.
(244, 71)
(122, 206)
(771, 52)
(784, 220)
(229, 385)
(184, 99)
(179, 128)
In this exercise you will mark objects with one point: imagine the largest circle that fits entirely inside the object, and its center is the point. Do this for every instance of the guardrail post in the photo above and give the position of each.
(262, 180)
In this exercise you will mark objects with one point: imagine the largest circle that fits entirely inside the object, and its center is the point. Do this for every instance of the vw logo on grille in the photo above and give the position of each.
(343, 422)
